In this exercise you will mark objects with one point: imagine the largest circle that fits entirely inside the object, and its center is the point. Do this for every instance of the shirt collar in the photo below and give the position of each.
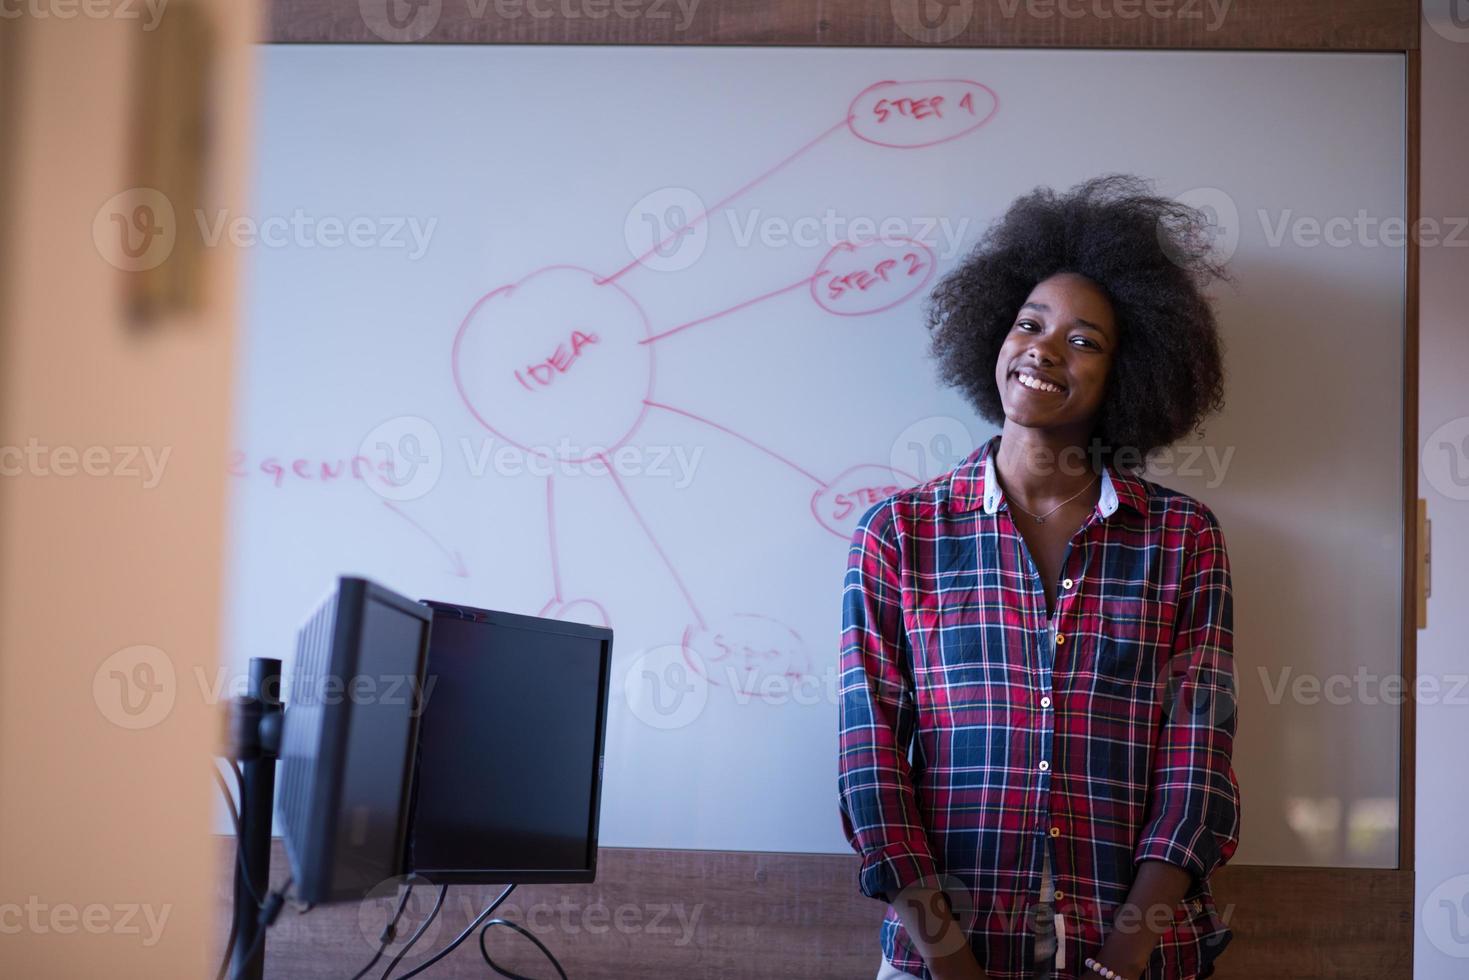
(970, 486)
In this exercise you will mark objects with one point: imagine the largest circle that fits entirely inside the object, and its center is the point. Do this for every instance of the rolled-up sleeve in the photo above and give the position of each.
(875, 717)
(1194, 804)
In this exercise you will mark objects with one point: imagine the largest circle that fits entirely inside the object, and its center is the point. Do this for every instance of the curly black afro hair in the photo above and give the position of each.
(1151, 256)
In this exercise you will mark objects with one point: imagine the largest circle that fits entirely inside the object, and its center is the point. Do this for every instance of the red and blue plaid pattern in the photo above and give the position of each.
(974, 731)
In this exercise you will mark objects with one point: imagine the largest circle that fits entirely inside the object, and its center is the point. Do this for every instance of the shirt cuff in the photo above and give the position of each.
(1190, 845)
(888, 870)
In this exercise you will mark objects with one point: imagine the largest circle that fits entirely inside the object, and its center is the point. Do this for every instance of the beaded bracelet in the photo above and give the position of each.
(1096, 967)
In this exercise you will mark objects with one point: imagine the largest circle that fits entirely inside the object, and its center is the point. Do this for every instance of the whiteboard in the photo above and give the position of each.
(633, 335)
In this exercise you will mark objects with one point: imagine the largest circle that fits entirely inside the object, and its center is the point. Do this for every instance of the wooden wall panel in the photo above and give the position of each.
(1341, 25)
(728, 915)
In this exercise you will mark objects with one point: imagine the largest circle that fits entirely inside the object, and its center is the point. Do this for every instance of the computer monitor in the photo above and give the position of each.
(353, 706)
(509, 778)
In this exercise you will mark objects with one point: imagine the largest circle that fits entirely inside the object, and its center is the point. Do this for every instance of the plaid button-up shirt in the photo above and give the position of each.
(975, 731)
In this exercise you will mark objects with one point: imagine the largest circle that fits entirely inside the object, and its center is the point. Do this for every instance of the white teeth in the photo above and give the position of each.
(1036, 383)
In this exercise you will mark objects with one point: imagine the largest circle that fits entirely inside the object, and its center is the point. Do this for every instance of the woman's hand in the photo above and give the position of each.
(1117, 960)
(957, 966)
(929, 921)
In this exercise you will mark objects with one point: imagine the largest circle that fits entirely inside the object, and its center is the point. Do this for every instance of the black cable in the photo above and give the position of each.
(229, 799)
(274, 902)
(241, 875)
(241, 871)
(528, 935)
(458, 940)
(417, 933)
(389, 933)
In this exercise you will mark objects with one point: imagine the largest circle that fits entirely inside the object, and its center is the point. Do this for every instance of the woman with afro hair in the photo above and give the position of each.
(1036, 710)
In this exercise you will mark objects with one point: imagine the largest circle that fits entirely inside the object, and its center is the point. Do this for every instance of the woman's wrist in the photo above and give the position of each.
(1127, 959)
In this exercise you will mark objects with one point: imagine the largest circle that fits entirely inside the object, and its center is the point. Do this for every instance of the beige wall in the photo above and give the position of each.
(103, 826)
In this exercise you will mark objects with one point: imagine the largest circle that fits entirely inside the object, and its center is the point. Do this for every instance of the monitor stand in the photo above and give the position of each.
(255, 743)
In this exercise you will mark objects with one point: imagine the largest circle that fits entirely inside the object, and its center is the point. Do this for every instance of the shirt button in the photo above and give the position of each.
(1045, 702)
(1060, 638)
(1045, 765)
(1055, 831)
(1058, 895)
(1066, 583)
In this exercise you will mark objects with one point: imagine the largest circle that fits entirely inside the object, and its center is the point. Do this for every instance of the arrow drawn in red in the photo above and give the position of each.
(459, 568)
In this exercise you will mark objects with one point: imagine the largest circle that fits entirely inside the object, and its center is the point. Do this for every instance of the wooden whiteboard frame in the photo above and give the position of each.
(1278, 909)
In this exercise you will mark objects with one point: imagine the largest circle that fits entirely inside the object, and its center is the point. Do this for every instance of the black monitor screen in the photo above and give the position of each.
(349, 739)
(509, 775)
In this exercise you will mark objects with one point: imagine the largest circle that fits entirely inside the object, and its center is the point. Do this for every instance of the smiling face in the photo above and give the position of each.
(1053, 367)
